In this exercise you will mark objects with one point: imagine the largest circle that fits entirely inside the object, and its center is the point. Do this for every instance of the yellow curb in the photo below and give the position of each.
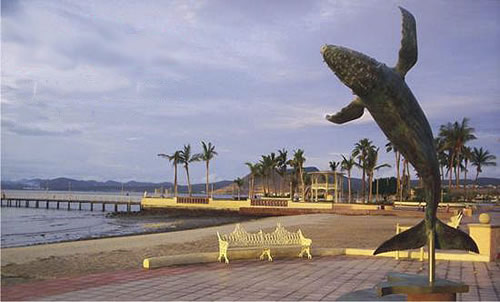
(286, 253)
(458, 256)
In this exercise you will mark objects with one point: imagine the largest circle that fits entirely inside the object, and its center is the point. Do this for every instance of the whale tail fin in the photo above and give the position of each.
(447, 238)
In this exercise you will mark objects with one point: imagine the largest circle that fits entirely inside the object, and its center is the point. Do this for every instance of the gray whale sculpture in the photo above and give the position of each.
(383, 91)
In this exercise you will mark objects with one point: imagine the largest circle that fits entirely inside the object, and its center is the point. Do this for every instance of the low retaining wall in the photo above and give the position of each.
(286, 253)
(278, 207)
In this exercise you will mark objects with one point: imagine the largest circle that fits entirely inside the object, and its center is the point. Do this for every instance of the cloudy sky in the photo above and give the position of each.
(95, 89)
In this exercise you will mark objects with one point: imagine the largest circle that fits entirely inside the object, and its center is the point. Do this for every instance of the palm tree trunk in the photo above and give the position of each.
(398, 176)
(207, 178)
(175, 180)
(452, 157)
(409, 178)
(274, 182)
(477, 176)
(253, 186)
(189, 182)
(465, 181)
(302, 184)
(349, 184)
(370, 179)
(403, 179)
(363, 185)
(376, 196)
(336, 188)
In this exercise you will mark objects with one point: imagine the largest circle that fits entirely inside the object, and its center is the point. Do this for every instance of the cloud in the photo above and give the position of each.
(112, 77)
(36, 131)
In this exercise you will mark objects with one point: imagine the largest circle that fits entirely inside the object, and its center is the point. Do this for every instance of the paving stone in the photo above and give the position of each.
(325, 278)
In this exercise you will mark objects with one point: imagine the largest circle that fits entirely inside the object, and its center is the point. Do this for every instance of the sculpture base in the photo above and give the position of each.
(418, 288)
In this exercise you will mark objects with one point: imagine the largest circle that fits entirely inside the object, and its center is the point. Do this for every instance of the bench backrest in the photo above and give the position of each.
(455, 220)
(280, 236)
(240, 237)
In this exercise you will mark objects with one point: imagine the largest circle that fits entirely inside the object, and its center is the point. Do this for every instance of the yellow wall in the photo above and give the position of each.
(151, 203)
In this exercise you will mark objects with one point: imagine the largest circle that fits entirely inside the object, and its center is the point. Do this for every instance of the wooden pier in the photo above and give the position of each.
(65, 202)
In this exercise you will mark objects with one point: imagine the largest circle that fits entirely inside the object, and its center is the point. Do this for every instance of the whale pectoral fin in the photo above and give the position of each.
(351, 112)
(408, 52)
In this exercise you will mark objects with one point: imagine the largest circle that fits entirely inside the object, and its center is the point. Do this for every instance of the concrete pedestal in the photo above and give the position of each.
(418, 288)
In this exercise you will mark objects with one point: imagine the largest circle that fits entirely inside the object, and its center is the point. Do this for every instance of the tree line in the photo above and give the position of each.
(185, 157)
(452, 150)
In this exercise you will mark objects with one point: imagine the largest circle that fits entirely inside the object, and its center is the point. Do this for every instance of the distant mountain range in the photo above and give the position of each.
(68, 184)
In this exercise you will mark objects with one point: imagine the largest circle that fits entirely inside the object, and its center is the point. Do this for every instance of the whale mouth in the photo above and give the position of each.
(323, 49)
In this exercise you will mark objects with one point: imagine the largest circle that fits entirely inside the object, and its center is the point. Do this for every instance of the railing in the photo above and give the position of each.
(193, 200)
(269, 203)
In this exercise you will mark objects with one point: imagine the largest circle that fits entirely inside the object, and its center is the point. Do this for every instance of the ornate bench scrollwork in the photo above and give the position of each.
(280, 237)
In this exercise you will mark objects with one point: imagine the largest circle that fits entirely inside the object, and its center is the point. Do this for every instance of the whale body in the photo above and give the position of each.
(382, 90)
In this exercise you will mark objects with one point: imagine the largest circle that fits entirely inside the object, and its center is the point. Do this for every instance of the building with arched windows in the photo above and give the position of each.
(326, 185)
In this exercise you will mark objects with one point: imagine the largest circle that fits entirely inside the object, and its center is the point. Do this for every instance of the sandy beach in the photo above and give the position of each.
(26, 264)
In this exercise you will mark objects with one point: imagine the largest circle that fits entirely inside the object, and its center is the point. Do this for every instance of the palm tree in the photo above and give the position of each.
(388, 148)
(446, 135)
(266, 164)
(186, 159)
(175, 159)
(297, 162)
(281, 162)
(273, 163)
(481, 158)
(254, 171)
(207, 154)
(334, 165)
(455, 136)
(372, 167)
(269, 164)
(441, 155)
(239, 182)
(466, 156)
(361, 151)
(347, 165)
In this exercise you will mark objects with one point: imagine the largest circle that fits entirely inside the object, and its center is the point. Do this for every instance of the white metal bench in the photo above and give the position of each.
(280, 237)
(454, 223)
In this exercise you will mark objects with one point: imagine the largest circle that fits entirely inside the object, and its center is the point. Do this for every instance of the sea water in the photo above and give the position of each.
(27, 226)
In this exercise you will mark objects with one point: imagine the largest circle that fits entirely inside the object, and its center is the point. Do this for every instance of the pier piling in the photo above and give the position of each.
(102, 202)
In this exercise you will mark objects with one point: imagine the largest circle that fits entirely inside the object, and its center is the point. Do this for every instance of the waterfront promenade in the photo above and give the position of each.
(110, 268)
(322, 278)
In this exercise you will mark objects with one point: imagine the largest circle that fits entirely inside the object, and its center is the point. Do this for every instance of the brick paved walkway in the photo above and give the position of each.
(325, 278)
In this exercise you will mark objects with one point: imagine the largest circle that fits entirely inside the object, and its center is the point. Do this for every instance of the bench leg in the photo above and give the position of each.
(223, 252)
(307, 250)
(268, 253)
(225, 258)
